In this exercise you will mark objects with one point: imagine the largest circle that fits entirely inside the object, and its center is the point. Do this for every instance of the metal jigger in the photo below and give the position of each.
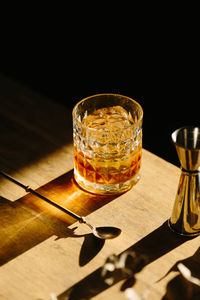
(185, 218)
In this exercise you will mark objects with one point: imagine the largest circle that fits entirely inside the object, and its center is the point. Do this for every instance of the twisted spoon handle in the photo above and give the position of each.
(30, 190)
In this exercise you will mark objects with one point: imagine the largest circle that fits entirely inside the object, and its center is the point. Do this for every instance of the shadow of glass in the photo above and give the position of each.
(65, 192)
(29, 220)
(149, 247)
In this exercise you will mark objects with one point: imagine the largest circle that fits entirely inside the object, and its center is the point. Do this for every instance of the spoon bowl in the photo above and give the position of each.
(106, 232)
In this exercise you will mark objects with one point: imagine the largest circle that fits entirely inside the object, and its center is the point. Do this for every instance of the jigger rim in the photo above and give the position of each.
(196, 129)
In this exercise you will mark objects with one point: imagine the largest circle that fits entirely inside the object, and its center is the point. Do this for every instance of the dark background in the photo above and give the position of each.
(165, 107)
(67, 61)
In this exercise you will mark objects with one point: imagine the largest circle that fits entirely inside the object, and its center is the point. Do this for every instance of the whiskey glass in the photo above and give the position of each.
(107, 136)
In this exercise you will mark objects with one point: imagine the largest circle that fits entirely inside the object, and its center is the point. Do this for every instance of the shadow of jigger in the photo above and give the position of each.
(185, 218)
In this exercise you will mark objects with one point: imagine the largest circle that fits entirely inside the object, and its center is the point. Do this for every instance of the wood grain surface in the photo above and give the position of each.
(43, 252)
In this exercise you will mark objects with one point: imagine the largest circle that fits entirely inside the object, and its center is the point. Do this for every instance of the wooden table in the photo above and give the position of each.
(43, 252)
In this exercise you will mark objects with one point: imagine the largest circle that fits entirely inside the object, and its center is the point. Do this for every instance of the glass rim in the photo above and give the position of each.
(108, 94)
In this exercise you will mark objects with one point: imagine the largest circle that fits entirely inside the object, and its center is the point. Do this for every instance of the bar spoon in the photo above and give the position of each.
(105, 232)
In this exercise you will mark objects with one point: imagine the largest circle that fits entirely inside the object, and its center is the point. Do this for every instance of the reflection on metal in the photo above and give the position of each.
(185, 218)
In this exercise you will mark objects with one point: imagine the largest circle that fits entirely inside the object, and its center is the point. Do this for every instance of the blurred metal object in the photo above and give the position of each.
(185, 218)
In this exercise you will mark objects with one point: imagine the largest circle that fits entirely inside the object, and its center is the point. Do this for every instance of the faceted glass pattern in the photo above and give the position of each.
(107, 131)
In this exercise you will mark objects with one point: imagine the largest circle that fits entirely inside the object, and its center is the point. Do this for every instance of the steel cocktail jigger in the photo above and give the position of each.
(185, 218)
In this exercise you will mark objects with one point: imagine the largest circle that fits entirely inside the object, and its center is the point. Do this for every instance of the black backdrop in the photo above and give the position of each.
(165, 86)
